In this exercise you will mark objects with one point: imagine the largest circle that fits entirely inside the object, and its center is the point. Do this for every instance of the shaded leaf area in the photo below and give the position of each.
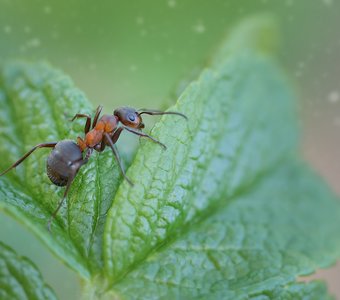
(36, 103)
(20, 279)
(253, 248)
(241, 125)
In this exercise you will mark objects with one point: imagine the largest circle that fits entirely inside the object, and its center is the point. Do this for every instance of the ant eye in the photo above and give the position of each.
(131, 117)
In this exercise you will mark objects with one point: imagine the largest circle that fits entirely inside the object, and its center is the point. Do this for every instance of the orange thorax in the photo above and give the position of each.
(107, 123)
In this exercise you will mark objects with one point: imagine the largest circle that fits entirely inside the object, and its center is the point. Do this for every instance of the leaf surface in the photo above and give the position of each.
(241, 125)
(20, 279)
(228, 210)
(256, 245)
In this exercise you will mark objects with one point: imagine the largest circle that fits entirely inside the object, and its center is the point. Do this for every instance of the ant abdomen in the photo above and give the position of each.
(62, 162)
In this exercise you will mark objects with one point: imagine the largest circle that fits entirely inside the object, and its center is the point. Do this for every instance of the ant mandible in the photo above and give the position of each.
(67, 157)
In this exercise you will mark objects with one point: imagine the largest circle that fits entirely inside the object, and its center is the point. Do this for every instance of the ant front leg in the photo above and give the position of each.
(142, 134)
(116, 135)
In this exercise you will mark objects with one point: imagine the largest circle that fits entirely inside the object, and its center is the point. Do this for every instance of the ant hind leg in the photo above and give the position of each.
(19, 161)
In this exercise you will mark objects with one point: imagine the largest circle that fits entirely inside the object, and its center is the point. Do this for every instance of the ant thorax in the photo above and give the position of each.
(107, 123)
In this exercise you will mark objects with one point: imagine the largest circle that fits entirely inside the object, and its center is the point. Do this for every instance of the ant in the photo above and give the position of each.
(67, 157)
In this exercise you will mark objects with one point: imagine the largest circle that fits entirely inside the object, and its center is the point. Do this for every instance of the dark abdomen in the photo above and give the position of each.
(60, 160)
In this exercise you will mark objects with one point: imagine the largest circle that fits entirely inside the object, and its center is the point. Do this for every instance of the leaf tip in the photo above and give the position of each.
(258, 32)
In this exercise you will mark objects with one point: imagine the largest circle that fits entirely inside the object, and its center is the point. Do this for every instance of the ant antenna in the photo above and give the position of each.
(158, 113)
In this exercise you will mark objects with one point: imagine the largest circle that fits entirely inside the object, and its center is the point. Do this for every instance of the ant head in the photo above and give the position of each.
(129, 117)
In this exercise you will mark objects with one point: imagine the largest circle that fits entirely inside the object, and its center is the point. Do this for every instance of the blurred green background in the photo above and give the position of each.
(137, 52)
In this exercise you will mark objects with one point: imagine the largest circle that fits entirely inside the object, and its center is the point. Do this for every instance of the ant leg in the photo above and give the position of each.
(73, 174)
(100, 147)
(19, 161)
(96, 116)
(142, 134)
(69, 181)
(88, 121)
(158, 113)
(116, 134)
(117, 156)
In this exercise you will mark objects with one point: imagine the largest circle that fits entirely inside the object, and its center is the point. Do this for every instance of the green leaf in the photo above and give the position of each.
(260, 242)
(36, 103)
(227, 211)
(20, 279)
(241, 125)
